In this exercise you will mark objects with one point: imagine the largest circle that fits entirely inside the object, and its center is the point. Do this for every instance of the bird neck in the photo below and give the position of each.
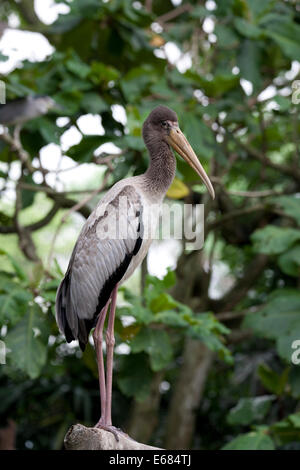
(161, 170)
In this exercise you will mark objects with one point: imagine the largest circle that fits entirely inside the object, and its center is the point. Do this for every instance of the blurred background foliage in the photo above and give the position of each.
(204, 353)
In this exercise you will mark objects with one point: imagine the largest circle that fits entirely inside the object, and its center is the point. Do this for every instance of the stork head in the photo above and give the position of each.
(161, 126)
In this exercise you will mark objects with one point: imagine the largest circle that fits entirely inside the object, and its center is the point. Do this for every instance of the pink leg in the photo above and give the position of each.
(110, 342)
(98, 339)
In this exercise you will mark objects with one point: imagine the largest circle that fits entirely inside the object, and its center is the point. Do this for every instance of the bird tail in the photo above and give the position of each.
(67, 319)
(61, 306)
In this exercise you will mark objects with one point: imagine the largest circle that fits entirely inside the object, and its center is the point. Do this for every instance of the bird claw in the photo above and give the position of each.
(111, 429)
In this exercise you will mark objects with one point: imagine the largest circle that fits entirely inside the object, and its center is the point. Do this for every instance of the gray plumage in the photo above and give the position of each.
(98, 264)
(112, 244)
(101, 259)
(21, 110)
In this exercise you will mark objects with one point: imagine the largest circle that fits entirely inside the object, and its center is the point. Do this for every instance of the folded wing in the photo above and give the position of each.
(108, 242)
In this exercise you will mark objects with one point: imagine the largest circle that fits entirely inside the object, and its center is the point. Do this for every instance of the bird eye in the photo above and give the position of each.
(164, 123)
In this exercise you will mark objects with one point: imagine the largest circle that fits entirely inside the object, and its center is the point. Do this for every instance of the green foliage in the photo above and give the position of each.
(136, 383)
(273, 382)
(14, 299)
(249, 410)
(288, 429)
(273, 240)
(109, 53)
(161, 310)
(290, 205)
(26, 350)
(279, 320)
(289, 262)
(254, 440)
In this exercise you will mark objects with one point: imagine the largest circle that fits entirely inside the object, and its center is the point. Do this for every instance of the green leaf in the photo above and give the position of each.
(101, 73)
(255, 440)
(75, 84)
(157, 344)
(250, 410)
(13, 300)
(47, 129)
(289, 262)
(215, 87)
(284, 343)
(169, 279)
(226, 36)
(290, 205)
(68, 101)
(284, 104)
(84, 151)
(135, 376)
(162, 302)
(49, 289)
(27, 195)
(171, 318)
(78, 67)
(199, 136)
(207, 329)
(259, 9)
(141, 313)
(278, 320)
(5, 219)
(28, 353)
(249, 62)
(273, 240)
(286, 34)
(155, 286)
(93, 103)
(294, 382)
(19, 271)
(136, 81)
(65, 23)
(287, 430)
(272, 381)
(247, 29)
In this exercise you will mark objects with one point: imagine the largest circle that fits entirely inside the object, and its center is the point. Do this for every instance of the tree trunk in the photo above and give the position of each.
(144, 415)
(197, 359)
(8, 436)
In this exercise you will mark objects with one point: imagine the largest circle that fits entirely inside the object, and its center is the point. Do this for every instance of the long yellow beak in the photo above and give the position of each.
(180, 143)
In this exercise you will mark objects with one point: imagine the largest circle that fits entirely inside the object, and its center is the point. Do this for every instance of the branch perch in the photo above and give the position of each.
(80, 437)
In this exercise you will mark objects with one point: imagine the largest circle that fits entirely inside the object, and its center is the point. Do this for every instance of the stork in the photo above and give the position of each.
(21, 110)
(100, 261)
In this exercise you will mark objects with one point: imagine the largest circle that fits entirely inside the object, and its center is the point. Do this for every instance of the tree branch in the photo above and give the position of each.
(80, 437)
(228, 316)
(233, 215)
(26, 11)
(45, 220)
(15, 145)
(49, 190)
(67, 203)
(288, 170)
(258, 194)
(241, 287)
(170, 15)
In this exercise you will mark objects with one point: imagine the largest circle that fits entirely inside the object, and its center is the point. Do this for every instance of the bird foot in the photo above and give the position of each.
(108, 428)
